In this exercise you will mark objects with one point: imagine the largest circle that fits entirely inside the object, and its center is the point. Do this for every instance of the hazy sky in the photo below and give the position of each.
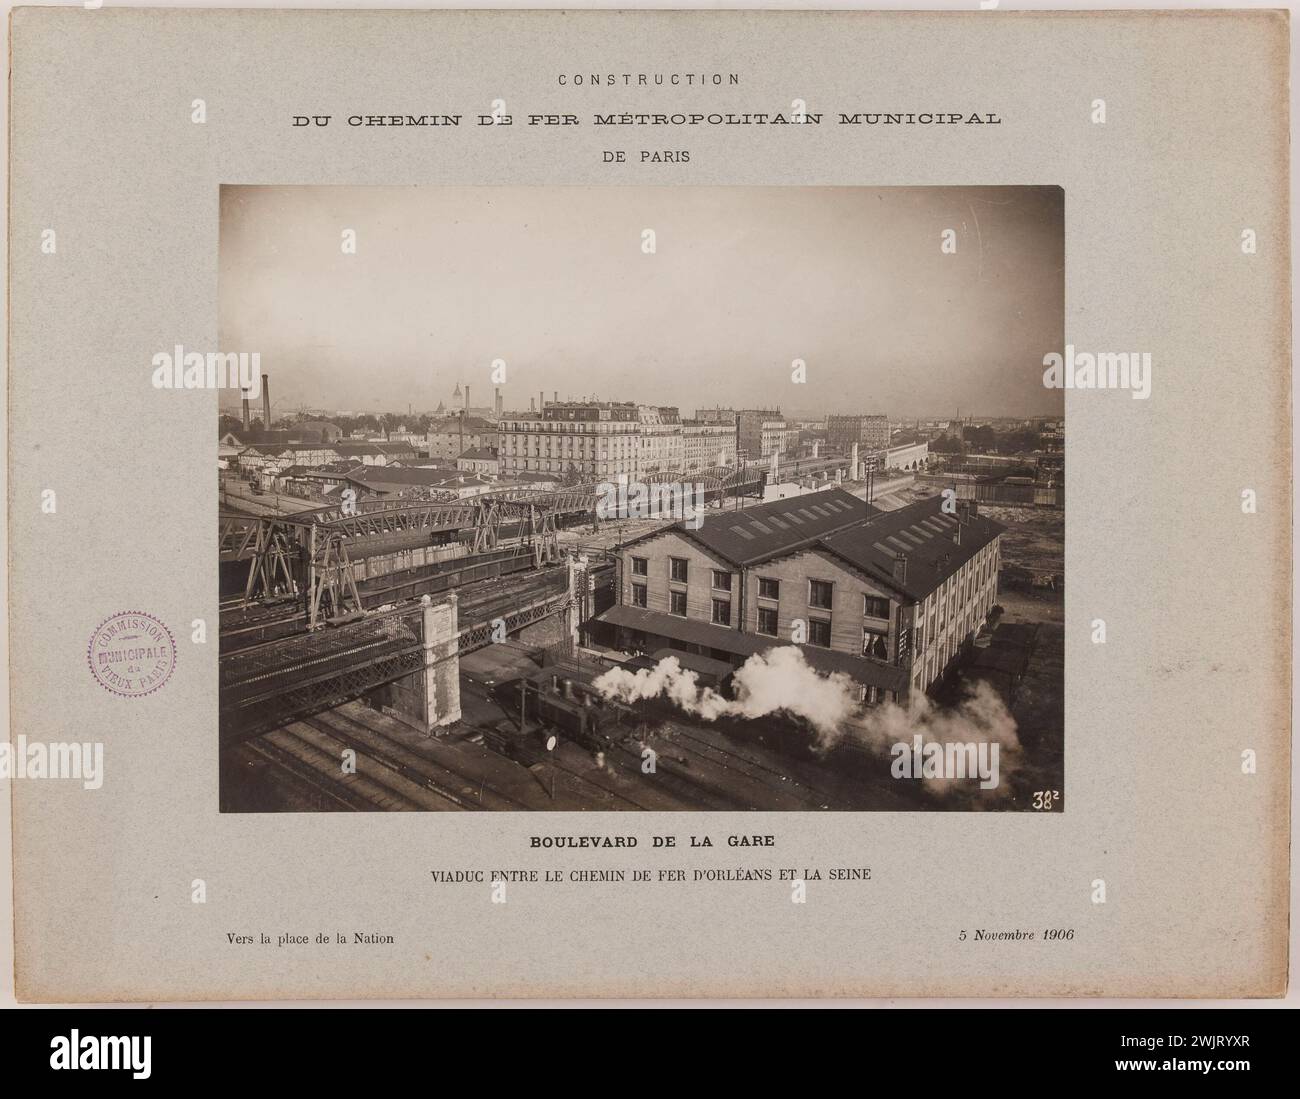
(744, 279)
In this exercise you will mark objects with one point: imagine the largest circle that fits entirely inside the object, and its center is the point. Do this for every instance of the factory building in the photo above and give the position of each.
(888, 598)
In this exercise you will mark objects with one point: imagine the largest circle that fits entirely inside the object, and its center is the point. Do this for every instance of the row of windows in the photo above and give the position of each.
(769, 623)
(821, 593)
(591, 451)
(570, 427)
(955, 608)
(562, 465)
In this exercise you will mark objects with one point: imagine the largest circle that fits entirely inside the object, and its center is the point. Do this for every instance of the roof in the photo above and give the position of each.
(696, 663)
(357, 448)
(402, 475)
(480, 454)
(924, 533)
(767, 530)
(695, 632)
(454, 425)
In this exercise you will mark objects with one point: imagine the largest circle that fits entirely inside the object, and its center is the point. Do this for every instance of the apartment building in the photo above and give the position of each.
(661, 447)
(871, 433)
(592, 440)
(708, 443)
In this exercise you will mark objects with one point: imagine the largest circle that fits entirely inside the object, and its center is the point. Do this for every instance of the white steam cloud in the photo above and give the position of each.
(781, 680)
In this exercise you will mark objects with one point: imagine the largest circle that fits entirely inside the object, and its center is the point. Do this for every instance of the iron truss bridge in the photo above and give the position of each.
(266, 686)
(309, 557)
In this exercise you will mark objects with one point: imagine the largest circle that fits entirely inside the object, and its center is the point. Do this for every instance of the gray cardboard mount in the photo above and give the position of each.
(1195, 592)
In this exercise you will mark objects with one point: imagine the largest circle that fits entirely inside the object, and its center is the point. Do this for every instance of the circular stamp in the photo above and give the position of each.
(132, 654)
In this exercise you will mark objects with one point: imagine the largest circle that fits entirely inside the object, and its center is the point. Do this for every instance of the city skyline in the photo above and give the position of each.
(743, 282)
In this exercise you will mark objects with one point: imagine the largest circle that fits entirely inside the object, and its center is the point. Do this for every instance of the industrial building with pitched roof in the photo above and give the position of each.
(890, 598)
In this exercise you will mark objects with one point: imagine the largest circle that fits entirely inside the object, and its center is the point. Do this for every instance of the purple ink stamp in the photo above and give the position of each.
(132, 654)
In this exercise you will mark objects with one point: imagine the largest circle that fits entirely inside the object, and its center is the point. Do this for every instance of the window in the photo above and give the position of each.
(722, 612)
(640, 566)
(721, 580)
(677, 569)
(819, 594)
(677, 603)
(819, 633)
(767, 621)
(875, 645)
(873, 606)
(638, 595)
(769, 589)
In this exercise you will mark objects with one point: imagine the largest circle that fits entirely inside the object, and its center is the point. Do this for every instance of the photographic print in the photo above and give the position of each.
(641, 498)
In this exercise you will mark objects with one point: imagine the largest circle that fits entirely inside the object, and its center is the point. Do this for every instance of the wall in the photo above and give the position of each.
(849, 587)
(699, 585)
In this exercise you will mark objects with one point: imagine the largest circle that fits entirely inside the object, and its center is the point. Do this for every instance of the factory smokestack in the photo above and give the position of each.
(467, 400)
(497, 403)
(532, 405)
(266, 402)
(541, 400)
(248, 414)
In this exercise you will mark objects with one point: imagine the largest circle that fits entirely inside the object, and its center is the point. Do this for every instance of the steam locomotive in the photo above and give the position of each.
(560, 700)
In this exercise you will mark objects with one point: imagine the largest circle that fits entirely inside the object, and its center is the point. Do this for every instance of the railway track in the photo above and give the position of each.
(761, 774)
(465, 790)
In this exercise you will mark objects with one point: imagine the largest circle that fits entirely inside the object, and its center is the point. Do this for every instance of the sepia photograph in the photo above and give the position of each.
(641, 498)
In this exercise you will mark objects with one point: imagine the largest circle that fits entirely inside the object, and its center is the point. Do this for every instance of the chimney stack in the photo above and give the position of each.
(532, 405)
(900, 567)
(266, 402)
(541, 400)
(497, 402)
(466, 400)
(248, 415)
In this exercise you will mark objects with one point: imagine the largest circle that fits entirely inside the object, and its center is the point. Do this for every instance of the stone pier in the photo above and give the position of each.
(430, 698)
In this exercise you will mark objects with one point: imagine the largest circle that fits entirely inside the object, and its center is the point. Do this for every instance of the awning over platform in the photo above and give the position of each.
(869, 672)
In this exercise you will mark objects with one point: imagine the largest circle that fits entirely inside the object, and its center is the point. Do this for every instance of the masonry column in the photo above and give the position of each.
(441, 662)
(577, 596)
